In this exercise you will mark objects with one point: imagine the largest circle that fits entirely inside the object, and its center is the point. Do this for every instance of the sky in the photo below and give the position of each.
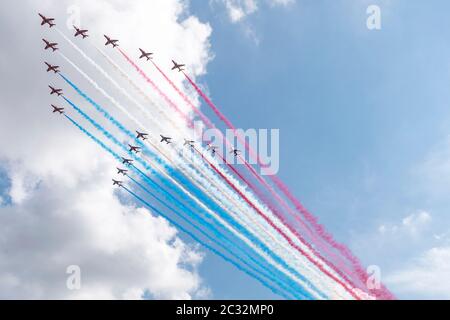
(363, 122)
(364, 142)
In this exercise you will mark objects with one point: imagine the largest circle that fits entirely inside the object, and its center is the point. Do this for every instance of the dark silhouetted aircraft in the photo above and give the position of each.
(122, 171)
(55, 69)
(117, 183)
(134, 149)
(56, 109)
(58, 92)
(141, 135)
(177, 66)
(167, 140)
(46, 20)
(212, 148)
(189, 143)
(145, 54)
(80, 32)
(236, 152)
(109, 41)
(127, 161)
(49, 45)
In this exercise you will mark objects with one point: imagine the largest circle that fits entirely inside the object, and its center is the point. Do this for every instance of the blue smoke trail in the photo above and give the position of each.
(154, 184)
(110, 151)
(190, 186)
(299, 290)
(218, 235)
(276, 291)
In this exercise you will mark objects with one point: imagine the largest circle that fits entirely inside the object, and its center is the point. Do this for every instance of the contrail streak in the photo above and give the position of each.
(155, 87)
(185, 98)
(162, 111)
(103, 92)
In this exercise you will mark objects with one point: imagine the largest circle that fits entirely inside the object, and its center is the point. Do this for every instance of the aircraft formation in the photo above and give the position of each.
(143, 55)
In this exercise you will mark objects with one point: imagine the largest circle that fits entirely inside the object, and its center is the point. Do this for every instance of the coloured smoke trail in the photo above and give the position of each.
(337, 266)
(287, 238)
(203, 243)
(219, 239)
(210, 125)
(111, 152)
(251, 229)
(115, 141)
(141, 72)
(385, 294)
(155, 87)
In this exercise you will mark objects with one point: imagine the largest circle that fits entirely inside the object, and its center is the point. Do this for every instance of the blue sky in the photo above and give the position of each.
(359, 112)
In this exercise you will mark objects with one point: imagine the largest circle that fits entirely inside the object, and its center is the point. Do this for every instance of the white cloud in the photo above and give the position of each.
(238, 10)
(122, 251)
(427, 276)
(412, 224)
(281, 2)
(64, 210)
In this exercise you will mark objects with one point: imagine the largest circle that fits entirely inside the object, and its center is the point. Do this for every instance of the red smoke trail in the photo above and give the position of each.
(206, 120)
(300, 208)
(185, 98)
(281, 232)
(338, 270)
(310, 218)
(342, 266)
(211, 125)
(162, 94)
